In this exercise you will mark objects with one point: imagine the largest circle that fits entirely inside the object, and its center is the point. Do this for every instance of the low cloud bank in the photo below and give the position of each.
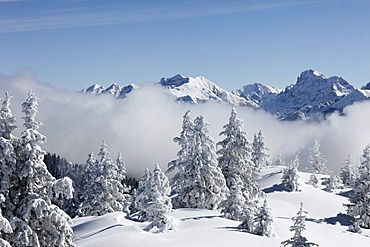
(143, 125)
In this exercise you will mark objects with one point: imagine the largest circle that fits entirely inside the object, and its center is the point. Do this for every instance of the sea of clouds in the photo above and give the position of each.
(143, 125)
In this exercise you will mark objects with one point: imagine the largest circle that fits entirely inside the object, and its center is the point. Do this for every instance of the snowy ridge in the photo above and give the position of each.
(199, 90)
(117, 91)
(256, 92)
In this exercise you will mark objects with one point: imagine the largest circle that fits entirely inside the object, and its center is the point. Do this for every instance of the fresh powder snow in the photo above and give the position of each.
(326, 222)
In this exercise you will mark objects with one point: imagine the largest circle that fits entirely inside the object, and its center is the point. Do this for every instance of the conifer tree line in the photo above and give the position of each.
(37, 204)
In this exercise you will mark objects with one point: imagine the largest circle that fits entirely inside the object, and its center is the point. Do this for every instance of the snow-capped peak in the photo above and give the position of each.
(199, 89)
(114, 89)
(174, 81)
(94, 89)
(256, 92)
(310, 73)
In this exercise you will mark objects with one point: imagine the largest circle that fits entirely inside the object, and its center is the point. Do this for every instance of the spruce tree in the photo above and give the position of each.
(102, 191)
(298, 227)
(260, 155)
(359, 208)
(4, 226)
(348, 172)
(290, 177)
(7, 121)
(279, 161)
(199, 182)
(184, 157)
(159, 203)
(317, 162)
(239, 171)
(141, 197)
(332, 183)
(35, 220)
(262, 224)
(314, 180)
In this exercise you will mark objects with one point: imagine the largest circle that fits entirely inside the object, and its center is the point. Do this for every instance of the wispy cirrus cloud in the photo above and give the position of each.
(121, 14)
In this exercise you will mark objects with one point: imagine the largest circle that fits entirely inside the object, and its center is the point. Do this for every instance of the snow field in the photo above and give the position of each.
(197, 227)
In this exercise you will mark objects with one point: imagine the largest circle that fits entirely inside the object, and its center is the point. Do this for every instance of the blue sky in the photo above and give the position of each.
(74, 43)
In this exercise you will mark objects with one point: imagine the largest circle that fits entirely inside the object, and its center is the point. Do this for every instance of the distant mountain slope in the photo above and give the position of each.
(199, 90)
(114, 89)
(257, 92)
(311, 98)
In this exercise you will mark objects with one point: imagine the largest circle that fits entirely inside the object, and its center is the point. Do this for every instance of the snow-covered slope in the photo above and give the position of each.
(117, 91)
(326, 222)
(199, 90)
(257, 92)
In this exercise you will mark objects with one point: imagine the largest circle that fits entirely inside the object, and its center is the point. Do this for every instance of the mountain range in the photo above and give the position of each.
(312, 97)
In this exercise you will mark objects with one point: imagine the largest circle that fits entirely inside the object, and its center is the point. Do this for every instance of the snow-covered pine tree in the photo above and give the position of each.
(142, 197)
(359, 208)
(260, 155)
(102, 192)
(233, 206)
(121, 168)
(298, 227)
(290, 177)
(4, 226)
(159, 204)
(262, 224)
(34, 219)
(317, 162)
(7, 153)
(7, 167)
(279, 161)
(199, 182)
(239, 171)
(125, 189)
(7, 121)
(348, 172)
(332, 183)
(184, 157)
(314, 180)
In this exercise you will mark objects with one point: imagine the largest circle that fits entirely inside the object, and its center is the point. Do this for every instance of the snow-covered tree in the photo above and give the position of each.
(199, 182)
(102, 190)
(183, 160)
(314, 180)
(239, 171)
(359, 208)
(4, 226)
(348, 172)
(317, 162)
(34, 219)
(142, 197)
(262, 224)
(121, 168)
(279, 161)
(159, 204)
(332, 183)
(7, 121)
(233, 206)
(260, 155)
(298, 227)
(290, 177)
(121, 178)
